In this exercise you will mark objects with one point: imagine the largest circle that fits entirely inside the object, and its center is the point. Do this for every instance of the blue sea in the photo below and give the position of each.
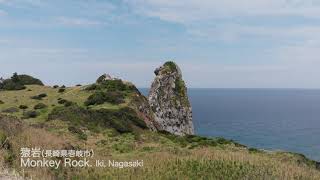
(271, 119)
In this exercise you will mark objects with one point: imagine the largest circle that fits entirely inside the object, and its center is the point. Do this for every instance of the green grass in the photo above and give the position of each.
(76, 94)
(116, 132)
(165, 156)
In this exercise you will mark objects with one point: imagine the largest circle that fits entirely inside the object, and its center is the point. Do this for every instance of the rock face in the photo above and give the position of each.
(169, 101)
(140, 104)
(105, 77)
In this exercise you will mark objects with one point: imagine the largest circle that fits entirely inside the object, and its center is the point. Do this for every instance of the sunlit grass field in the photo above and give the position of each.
(13, 99)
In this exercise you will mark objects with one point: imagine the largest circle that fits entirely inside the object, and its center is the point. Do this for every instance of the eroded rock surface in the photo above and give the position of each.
(169, 100)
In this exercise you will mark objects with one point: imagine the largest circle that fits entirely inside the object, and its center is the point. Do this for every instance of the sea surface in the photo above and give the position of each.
(271, 119)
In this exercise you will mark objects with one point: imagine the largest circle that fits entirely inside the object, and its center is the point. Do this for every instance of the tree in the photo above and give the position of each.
(15, 78)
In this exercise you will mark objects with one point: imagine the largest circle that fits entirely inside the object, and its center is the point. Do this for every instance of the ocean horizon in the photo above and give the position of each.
(285, 119)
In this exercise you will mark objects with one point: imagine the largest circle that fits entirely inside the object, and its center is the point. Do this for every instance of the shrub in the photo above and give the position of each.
(39, 97)
(65, 102)
(78, 131)
(96, 98)
(100, 97)
(18, 82)
(112, 85)
(254, 150)
(30, 114)
(74, 114)
(171, 66)
(43, 95)
(63, 86)
(40, 106)
(61, 101)
(122, 120)
(120, 125)
(23, 107)
(55, 86)
(1, 102)
(115, 85)
(78, 85)
(61, 90)
(10, 85)
(36, 97)
(131, 115)
(68, 103)
(92, 87)
(196, 141)
(29, 80)
(11, 110)
(221, 140)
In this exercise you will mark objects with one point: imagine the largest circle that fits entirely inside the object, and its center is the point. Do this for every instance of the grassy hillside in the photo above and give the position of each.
(77, 95)
(14, 99)
(114, 130)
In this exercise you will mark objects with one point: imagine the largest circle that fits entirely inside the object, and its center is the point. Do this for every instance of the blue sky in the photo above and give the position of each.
(218, 44)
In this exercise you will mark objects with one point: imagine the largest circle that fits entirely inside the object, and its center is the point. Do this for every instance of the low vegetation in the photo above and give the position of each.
(23, 107)
(39, 96)
(123, 120)
(99, 117)
(18, 82)
(10, 110)
(30, 114)
(78, 132)
(40, 106)
(171, 66)
(65, 102)
(61, 90)
(100, 97)
(111, 85)
(165, 156)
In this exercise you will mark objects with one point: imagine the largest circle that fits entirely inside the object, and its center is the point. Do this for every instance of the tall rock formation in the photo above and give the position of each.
(169, 100)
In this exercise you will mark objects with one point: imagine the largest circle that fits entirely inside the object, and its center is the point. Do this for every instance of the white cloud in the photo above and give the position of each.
(230, 32)
(193, 10)
(295, 47)
(23, 3)
(292, 52)
(214, 19)
(50, 51)
(59, 12)
(79, 22)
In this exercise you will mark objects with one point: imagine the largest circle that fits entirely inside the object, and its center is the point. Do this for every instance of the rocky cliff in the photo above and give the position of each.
(169, 100)
(140, 104)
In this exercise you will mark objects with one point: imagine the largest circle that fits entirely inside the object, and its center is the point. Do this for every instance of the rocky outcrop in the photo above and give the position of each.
(105, 77)
(140, 104)
(169, 101)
